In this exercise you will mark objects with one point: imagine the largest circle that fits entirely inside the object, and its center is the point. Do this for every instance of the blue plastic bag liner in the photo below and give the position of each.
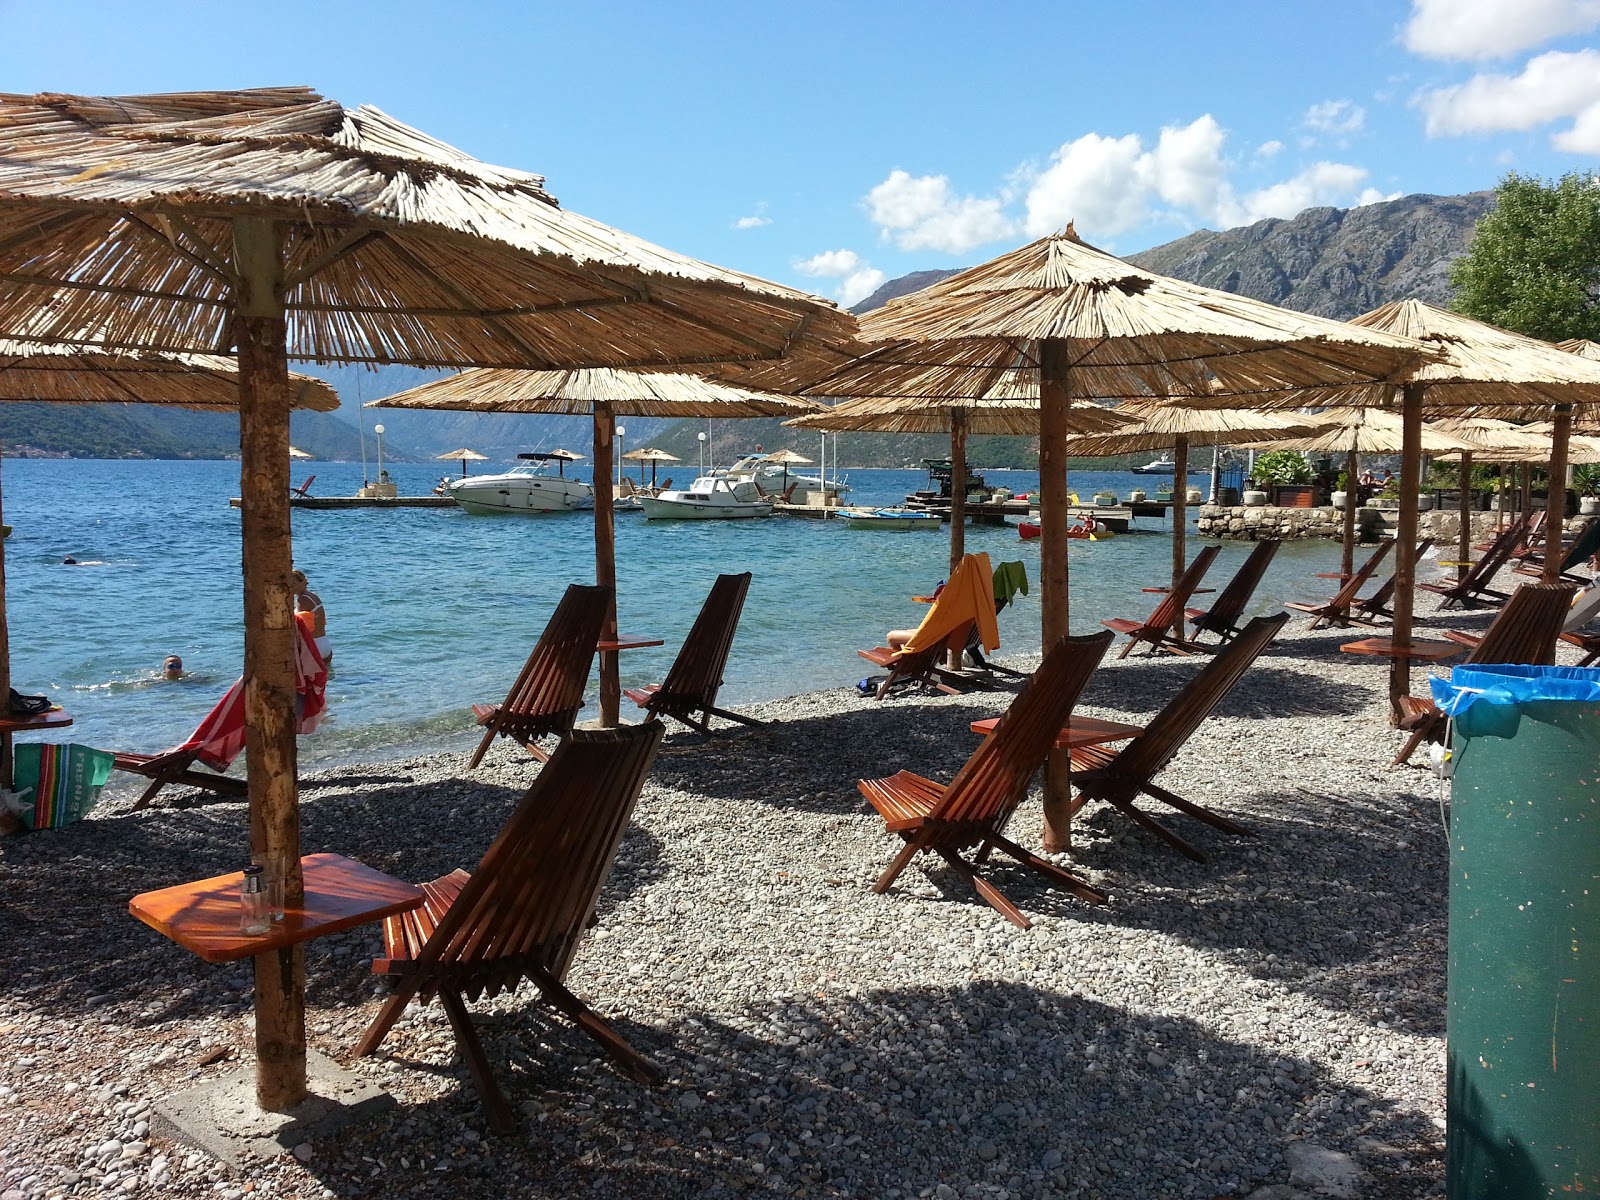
(1488, 700)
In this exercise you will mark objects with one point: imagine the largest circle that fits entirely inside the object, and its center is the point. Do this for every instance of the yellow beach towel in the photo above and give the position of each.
(969, 596)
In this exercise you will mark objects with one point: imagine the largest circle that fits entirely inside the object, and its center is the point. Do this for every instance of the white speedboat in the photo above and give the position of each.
(1164, 466)
(771, 478)
(709, 498)
(528, 488)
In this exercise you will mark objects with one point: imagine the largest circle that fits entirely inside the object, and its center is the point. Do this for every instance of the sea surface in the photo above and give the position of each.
(432, 609)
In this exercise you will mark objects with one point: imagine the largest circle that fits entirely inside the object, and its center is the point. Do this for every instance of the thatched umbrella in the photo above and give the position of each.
(465, 455)
(605, 395)
(788, 458)
(1501, 442)
(652, 456)
(1072, 321)
(276, 221)
(1175, 428)
(32, 372)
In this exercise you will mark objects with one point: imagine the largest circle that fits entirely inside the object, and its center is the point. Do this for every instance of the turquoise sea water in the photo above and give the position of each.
(432, 609)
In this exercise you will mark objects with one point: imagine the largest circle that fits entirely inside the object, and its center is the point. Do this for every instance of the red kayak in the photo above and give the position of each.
(1087, 528)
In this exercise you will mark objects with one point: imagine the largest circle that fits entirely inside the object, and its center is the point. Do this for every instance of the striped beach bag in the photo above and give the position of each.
(66, 781)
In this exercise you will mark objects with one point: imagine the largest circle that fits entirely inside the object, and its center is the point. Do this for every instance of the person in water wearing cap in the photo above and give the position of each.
(172, 667)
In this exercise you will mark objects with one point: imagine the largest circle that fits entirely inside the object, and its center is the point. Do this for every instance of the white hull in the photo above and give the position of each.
(520, 493)
(710, 498)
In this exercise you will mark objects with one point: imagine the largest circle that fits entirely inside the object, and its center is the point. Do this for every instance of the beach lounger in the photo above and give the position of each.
(963, 609)
(1163, 629)
(304, 489)
(1473, 585)
(548, 693)
(972, 810)
(1584, 546)
(1337, 610)
(1119, 776)
(522, 913)
(1368, 610)
(1530, 534)
(1524, 631)
(217, 740)
(695, 676)
(1227, 611)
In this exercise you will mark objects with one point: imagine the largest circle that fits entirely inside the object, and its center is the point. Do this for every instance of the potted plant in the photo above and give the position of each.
(1586, 481)
(1288, 476)
(1341, 494)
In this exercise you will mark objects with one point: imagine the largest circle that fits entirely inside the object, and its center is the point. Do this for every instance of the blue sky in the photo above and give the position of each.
(833, 145)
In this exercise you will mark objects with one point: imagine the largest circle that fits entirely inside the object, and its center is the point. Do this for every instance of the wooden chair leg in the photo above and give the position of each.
(384, 1021)
(1061, 878)
(1418, 736)
(538, 751)
(984, 888)
(1195, 811)
(1132, 641)
(901, 861)
(477, 1062)
(483, 746)
(733, 716)
(149, 793)
(633, 1064)
(1150, 824)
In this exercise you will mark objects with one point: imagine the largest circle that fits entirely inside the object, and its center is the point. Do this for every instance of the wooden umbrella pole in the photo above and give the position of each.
(1352, 496)
(958, 503)
(1055, 403)
(1464, 512)
(269, 641)
(1526, 504)
(1556, 505)
(1500, 503)
(605, 563)
(1406, 543)
(6, 777)
(1180, 510)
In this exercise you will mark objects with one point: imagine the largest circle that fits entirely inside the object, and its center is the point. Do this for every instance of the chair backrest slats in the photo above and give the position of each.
(1346, 596)
(1225, 613)
(696, 673)
(1583, 547)
(1525, 630)
(1176, 723)
(1170, 611)
(549, 688)
(1493, 559)
(1380, 598)
(995, 779)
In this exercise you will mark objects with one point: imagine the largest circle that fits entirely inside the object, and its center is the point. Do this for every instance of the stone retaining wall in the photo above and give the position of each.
(1238, 523)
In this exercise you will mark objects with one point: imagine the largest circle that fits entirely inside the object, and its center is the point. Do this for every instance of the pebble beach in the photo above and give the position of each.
(1189, 1039)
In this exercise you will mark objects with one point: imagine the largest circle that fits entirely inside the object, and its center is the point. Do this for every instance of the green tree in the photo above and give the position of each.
(1534, 266)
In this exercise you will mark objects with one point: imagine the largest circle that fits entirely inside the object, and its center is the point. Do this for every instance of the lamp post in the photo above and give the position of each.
(702, 459)
(621, 430)
(378, 429)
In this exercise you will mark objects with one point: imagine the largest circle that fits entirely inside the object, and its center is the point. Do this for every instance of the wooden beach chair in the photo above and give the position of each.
(548, 692)
(1227, 611)
(1473, 585)
(304, 489)
(972, 811)
(1524, 631)
(1337, 610)
(1589, 643)
(1119, 776)
(1530, 534)
(1163, 629)
(1368, 610)
(180, 765)
(522, 913)
(1584, 545)
(695, 677)
(964, 609)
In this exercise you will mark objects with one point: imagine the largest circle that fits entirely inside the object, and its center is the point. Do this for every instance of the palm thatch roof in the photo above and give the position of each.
(63, 374)
(464, 454)
(1131, 334)
(651, 454)
(115, 229)
(576, 392)
(1491, 435)
(1362, 431)
(1015, 417)
(1159, 426)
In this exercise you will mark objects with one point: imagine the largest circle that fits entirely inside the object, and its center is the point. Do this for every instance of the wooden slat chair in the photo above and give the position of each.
(1119, 776)
(1524, 631)
(548, 692)
(1589, 643)
(1473, 586)
(180, 765)
(919, 666)
(1584, 545)
(1368, 610)
(973, 809)
(522, 913)
(1227, 611)
(1530, 534)
(695, 676)
(1163, 629)
(1337, 610)
(964, 610)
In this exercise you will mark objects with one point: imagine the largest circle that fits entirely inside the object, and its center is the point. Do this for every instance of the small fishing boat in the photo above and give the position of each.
(528, 488)
(1087, 530)
(709, 498)
(1165, 466)
(897, 520)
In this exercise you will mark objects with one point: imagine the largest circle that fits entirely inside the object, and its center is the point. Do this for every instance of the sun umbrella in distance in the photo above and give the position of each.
(1074, 322)
(652, 456)
(274, 221)
(604, 394)
(465, 455)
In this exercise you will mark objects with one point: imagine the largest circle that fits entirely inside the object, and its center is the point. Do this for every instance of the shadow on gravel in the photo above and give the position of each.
(1273, 687)
(987, 1086)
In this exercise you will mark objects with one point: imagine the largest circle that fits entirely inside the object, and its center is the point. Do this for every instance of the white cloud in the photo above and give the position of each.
(857, 279)
(1100, 182)
(1269, 149)
(752, 222)
(1323, 183)
(924, 213)
(1549, 87)
(1469, 30)
(1372, 195)
(1336, 118)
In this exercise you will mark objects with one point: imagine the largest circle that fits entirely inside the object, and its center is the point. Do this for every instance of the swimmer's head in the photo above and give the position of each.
(172, 667)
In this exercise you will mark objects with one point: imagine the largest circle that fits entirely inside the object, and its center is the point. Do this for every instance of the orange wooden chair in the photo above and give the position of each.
(523, 912)
(963, 612)
(1337, 610)
(695, 677)
(1224, 616)
(973, 810)
(1369, 609)
(1119, 776)
(548, 693)
(1473, 585)
(1164, 627)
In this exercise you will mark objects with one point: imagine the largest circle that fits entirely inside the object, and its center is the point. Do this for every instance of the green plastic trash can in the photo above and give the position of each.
(1524, 991)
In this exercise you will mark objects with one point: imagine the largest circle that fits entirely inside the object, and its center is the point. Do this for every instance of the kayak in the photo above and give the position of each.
(1087, 531)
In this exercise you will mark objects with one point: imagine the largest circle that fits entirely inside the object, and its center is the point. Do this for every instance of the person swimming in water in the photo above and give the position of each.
(307, 601)
(172, 667)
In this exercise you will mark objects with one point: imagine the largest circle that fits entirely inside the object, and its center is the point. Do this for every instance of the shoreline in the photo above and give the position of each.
(819, 1040)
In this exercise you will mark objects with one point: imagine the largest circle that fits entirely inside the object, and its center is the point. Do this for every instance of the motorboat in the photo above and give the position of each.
(526, 488)
(775, 481)
(1165, 466)
(897, 519)
(708, 498)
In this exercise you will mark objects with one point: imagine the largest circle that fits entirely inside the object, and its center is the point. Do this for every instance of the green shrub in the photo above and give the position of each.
(1282, 466)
